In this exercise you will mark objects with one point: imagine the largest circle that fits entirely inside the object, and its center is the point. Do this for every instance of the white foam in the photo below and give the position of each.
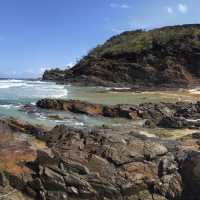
(125, 88)
(9, 106)
(32, 89)
(195, 91)
(10, 85)
(6, 106)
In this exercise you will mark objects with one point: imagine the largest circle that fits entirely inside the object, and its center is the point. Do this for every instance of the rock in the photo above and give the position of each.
(165, 115)
(105, 189)
(36, 184)
(177, 123)
(3, 180)
(196, 135)
(75, 106)
(106, 163)
(75, 167)
(146, 195)
(149, 124)
(78, 186)
(152, 150)
(191, 176)
(19, 181)
(55, 195)
(170, 186)
(52, 181)
(100, 165)
(56, 117)
(15, 125)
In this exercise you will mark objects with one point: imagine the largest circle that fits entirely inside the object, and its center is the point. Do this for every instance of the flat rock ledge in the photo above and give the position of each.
(105, 164)
(165, 115)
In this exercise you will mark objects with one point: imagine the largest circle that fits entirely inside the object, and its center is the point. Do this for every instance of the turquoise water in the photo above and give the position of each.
(14, 94)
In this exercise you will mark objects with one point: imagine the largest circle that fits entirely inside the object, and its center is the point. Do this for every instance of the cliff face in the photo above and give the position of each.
(165, 57)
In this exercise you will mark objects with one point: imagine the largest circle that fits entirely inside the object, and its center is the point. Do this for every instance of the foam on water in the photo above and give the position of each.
(21, 89)
(14, 94)
(6, 84)
(195, 91)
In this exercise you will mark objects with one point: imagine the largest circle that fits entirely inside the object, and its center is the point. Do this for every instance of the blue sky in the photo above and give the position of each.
(40, 34)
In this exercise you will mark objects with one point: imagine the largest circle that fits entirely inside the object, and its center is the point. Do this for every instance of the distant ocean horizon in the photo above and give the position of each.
(17, 78)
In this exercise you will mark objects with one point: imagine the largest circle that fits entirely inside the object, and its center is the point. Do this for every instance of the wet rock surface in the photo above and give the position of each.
(167, 115)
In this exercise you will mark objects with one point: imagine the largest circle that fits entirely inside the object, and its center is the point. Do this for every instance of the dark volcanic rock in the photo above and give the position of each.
(20, 126)
(106, 164)
(191, 176)
(164, 57)
(167, 115)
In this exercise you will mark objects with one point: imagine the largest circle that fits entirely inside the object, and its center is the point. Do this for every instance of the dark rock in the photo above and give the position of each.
(167, 115)
(77, 168)
(3, 180)
(75, 106)
(55, 195)
(109, 163)
(196, 135)
(191, 176)
(52, 181)
(149, 124)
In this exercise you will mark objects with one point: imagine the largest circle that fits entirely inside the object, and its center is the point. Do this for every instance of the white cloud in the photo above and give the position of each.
(183, 8)
(71, 64)
(123, 6)
(43, 69)
(169, 10)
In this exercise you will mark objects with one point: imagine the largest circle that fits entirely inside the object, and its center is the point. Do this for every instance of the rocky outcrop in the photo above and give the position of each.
(14, 125)
(190, 173)
(16, 149)
(74, 106)
(89, 164)
(106, 163)
(166, 115)
(164, 57)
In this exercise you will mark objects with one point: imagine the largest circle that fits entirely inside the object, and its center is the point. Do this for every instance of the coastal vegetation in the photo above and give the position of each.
(163, 57)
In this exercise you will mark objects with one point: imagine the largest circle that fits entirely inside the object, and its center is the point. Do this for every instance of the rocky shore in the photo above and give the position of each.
(113, 163)
(166, 115)
(98, 164)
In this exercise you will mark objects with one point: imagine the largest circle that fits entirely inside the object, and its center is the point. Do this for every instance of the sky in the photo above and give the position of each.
(40, 34)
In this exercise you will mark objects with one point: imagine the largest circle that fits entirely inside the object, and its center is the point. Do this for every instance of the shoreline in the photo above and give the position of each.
(102, 162)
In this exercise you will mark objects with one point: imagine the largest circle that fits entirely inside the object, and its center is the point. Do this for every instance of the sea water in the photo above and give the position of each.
(15, 94)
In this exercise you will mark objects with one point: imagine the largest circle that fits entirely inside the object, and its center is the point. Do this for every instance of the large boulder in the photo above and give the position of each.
(190, 171)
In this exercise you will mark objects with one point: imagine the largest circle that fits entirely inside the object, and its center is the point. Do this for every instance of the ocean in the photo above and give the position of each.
(15, 94)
